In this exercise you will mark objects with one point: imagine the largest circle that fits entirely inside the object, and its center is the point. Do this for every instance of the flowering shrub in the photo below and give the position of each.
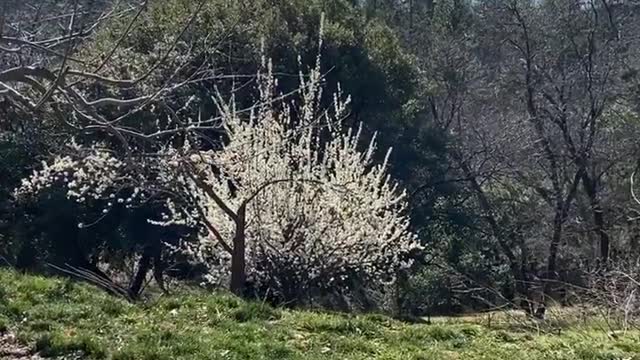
(286, 192)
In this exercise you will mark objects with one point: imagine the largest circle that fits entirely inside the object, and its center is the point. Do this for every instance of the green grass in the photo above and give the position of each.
(59, 317)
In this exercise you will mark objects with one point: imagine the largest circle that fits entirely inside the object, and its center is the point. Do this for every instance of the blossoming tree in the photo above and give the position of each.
(286, 187)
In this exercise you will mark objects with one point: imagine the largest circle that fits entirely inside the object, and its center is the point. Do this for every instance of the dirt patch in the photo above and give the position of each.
(11, 349)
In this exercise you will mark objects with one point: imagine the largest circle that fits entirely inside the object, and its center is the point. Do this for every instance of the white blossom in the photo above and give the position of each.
(312, 199)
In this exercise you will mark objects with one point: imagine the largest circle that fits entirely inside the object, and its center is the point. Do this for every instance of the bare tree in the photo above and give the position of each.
(534, 106)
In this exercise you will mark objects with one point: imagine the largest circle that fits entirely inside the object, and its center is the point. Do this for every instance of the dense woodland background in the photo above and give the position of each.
(514, 128)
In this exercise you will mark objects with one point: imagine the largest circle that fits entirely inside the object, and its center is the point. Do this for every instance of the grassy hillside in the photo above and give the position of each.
(65, 319)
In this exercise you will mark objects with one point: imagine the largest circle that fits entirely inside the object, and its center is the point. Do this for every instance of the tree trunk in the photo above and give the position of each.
(555, 243)
(144, 265)
(158, 269)
(522, 280)
(551, 275)
(238, 261)
(27, 256)
(590, 188)
(398, 294)
(151, 258)
(410, 15)
(634, 238)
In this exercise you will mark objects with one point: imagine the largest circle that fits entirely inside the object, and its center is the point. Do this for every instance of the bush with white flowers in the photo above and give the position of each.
(288, 200)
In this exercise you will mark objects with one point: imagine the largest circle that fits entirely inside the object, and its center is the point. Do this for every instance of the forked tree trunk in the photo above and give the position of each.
(151, 258)
(144, 265)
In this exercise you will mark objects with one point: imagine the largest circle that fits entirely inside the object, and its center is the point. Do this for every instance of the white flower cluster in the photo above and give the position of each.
(90, 174)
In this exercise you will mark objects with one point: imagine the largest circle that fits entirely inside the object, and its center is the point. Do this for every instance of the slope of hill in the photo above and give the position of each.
(63, 319)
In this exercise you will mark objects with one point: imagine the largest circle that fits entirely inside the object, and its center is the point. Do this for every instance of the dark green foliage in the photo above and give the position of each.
(255, 311)
(429, 292)
(4, 324)
(51, 345)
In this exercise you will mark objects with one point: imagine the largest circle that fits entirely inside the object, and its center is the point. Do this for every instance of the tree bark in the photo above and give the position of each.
(522, 281)
(158, 270)
(238, 261)
(562, 206)
(151, 258)
(556, 236)
(590, 188)
(144, 265)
